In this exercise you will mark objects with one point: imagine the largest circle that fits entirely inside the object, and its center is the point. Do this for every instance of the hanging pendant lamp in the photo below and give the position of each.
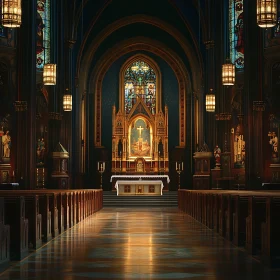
(266, 13)
(49, 74)
(210, 102)
(228, 73)
(67, 102)
(11, 13)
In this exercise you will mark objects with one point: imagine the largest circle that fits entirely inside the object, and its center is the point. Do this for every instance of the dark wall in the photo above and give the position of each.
(110, 91)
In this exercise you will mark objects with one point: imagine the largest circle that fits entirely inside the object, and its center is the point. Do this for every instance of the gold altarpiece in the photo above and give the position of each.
(140, 140)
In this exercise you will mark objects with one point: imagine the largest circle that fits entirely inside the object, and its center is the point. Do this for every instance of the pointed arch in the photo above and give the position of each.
(152, 64)
(143, 44)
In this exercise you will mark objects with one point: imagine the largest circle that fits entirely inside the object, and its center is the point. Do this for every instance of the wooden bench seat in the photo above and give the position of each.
(4, 239)
(15, 217)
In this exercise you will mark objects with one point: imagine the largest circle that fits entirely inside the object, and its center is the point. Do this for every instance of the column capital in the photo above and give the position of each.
(55, 116)
(209, 44)
(21, 106)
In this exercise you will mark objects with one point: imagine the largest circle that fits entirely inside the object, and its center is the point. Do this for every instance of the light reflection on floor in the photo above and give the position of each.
(137, 243)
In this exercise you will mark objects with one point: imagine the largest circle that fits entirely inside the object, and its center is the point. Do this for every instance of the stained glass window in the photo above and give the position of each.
(43, 33)
(236, 33)
(140, 82)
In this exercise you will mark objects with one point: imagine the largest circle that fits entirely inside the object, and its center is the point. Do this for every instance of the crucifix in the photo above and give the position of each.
(140, 128)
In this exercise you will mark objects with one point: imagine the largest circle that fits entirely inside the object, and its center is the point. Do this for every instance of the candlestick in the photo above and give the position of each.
(179, 169)
(101, 171)
(120, 161)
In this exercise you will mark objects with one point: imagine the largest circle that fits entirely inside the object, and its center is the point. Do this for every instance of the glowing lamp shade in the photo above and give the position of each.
(11, 13)
(49, 74)
(210, 102)
(134, 68)
(67, 102)
(228, 74)
(266, 13)
(145, 68)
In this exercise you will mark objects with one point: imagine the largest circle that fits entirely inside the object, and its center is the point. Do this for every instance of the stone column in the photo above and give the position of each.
(252, 96)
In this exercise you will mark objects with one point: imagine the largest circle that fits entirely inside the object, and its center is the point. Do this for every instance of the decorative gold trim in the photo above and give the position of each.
(209, 44)
(55, 116)
(223, 117)
(138, 44)
(20, 106)
(258, 106)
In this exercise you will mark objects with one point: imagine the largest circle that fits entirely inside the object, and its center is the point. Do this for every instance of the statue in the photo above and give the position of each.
(120, 148)
(217, 155)
(274, 144)
(7, 142)
(41, 151)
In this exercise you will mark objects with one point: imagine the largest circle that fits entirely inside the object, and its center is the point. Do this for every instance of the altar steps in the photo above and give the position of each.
(168, 199)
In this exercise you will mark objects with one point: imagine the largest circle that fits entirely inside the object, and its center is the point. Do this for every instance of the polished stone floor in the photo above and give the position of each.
(134, 243)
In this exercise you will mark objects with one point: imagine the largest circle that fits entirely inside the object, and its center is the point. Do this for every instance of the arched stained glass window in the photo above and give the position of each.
(140, 82)
(43, 33)
(236, 33)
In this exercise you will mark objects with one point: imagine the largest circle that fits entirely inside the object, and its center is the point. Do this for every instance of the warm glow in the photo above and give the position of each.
(11, 13)
(145, 67)
(67, 102)
(49, 74)
(210, 102)
(134, 68)
(228, 74)
(266, 13)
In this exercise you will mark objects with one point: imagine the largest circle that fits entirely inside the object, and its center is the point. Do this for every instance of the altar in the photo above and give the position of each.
(164, 179)
(139, 187)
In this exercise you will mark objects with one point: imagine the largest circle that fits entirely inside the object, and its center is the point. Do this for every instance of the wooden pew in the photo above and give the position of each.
(44, 201)
(240, 212)
(209, 209)
(270, 233)
(4, 239)
(229, 217)
(15, 217)
(256, 216)
(33, 215)
(221, 214)
(215, 212)
(66, 211)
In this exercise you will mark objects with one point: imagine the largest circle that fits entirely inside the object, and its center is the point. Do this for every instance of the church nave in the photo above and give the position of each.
(138, 243)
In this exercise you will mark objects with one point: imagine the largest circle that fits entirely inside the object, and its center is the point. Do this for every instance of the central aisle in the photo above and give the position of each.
(137, 243)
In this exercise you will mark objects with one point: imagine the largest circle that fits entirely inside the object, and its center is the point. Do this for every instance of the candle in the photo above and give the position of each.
(176, 166)
(98, 165)
(104, 166)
